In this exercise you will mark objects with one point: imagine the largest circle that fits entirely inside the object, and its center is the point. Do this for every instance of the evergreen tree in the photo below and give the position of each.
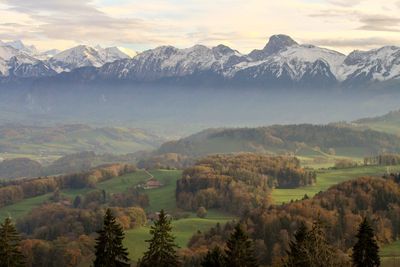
(297, 249)
(366, 250)
(318, 251)
(109, 249)
(162, 247)
(239, 252)
(214, 258)
(10, 254)
(311, 249)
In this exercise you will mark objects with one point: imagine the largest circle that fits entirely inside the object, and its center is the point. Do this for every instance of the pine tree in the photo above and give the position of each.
(162, 247)
(109, 249)
(297, 249)
(318, 251)
(10, 254)
(214, 258)
(311, 249)
(239, 252)
(366, 250)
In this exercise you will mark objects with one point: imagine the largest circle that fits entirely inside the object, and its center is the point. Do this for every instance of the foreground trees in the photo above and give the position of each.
(366, 250)
(109, 249)
(10, 254)
(162, 247)
(239, 252)
(214, 258)
(311, 248)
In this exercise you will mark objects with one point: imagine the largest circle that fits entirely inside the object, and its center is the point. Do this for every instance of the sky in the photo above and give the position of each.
(343, 25)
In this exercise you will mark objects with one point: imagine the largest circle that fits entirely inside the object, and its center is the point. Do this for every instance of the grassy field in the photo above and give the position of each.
(160, 198)
(326, 179)
(164, 197)
(390, 255)
(183, 230)
(117, 184)
(22, 208)
(317, 159)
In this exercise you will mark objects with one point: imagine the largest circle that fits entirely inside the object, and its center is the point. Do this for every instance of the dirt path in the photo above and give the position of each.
(149, 174)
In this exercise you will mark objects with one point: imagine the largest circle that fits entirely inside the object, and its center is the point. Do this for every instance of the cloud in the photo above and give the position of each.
(379, 23)
(79, 20)
(345, 3)
(242, 25)
(361, 43)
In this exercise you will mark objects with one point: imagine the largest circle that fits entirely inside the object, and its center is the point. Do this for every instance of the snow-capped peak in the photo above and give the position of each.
(7, 52)
(111, 54)
(19, 45)
(84, 56)
(278, 42)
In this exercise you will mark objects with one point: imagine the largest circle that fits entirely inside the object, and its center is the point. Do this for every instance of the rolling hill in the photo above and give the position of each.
(389, 122)
(302, 140)
(47, 143)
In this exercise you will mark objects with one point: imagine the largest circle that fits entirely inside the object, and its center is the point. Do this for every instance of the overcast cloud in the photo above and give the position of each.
(244, 25)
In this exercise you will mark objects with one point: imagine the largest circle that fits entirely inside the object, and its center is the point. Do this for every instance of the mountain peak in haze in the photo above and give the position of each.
(278, 42)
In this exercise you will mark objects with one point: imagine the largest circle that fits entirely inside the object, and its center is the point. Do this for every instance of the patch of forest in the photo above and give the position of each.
(340, 209)
(238, 182)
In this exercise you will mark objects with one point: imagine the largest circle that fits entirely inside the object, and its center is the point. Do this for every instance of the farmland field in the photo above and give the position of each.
(328, 178)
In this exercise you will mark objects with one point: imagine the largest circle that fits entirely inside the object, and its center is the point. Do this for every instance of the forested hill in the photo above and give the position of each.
(340, 209)
(283, 139)
(389, 122)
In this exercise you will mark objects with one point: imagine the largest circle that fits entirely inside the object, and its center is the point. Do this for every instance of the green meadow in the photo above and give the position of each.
(328, 178)
(390, 255)
(182, 229)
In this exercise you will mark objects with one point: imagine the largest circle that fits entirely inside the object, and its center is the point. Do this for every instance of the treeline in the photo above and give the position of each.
(383, 160)
(51, 221)
(165, 161)
(238, 183)
(341, 209)
(14, 191)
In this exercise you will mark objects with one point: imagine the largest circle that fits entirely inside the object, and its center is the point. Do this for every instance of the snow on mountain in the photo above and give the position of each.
(282, 61)
(3, 67)
(378, 64)
(111, 54)
(275, 44)
(131, 53)
(20, 46)
(168, 61)
(76, 57)
(85, 56)
(7, 52)
(47, 54)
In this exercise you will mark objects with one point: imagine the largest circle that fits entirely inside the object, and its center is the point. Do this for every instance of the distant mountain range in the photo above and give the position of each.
(281, 63)
(18, 60)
